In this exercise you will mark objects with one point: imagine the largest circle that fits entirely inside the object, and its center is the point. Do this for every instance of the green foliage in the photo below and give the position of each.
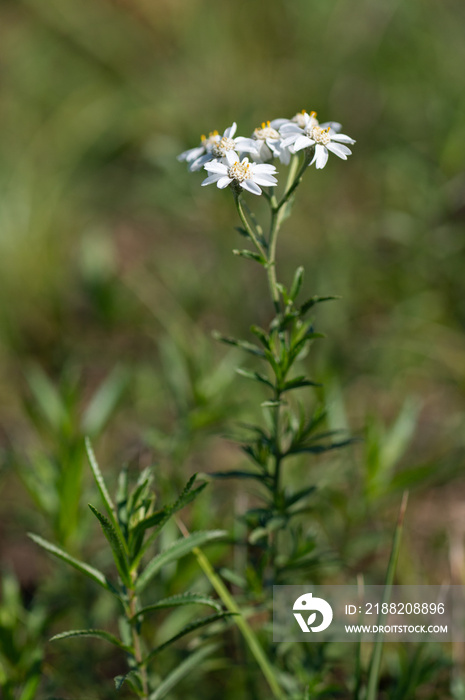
(127, 527)
(21, 648)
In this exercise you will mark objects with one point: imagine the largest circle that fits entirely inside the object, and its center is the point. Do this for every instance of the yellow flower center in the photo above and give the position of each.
(240, 172)
(265, 132)
(319, 135)
(209, 141)
(221, 147)
(301, 118)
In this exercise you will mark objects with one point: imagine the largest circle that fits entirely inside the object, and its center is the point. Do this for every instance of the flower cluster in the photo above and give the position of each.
(245, 163)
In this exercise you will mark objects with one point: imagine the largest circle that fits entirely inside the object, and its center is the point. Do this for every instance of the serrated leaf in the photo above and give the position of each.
(298, 383)
(89, 571)
(319, 449)
(256, 376)
(186, 496)
(101, 634)
(178, 600)
(236, 474)
(132, 678)
(243, 344)
(177, 550)
(250, 256)
(310, 303)
(106, 498)
(115, 544)
(261, 335)
(181, 670)
(197, 624)
(298, 495)
(243, 232)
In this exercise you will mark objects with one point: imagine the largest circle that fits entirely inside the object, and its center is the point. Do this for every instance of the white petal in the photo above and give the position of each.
(230, 131)
(216, 167)
(342, 137)
(263, 168)
(290, 128)
(334, 126)
(286, 142)
(224, 182)
(285, 156)
(278, 123)
(302, 142)
(339, 150)
(265, 180)
(250, 186)
(320, 157)
(245, 145)
(231, 157)
(191, 154)
(200, 162)
(211, 179)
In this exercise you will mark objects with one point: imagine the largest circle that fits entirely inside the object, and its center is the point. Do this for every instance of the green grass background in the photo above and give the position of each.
(112, 255)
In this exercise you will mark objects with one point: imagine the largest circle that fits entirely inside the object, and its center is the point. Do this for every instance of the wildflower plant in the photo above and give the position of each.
(288, 429)
(131, 526)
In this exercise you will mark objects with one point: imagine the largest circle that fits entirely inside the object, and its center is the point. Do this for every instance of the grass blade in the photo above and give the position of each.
(375, 664)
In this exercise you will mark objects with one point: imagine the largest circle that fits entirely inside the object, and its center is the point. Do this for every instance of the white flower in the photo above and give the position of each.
(268, 142)
(215, 146)
(323, 138)
(303, 119)
(244, 174)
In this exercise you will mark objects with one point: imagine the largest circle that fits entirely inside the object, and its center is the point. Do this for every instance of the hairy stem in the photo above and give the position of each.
(136, 643)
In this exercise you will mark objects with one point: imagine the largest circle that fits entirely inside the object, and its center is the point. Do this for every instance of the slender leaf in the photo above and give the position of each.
(89, 571)
(101, 634)
(177, 550)
(132, 678)
(298, 495)
(250, 374)
(296, 283)
(249, 255)
(106, 498)
(310, 303)
(191, 627)
(243, 344)
(181, 670)
(375, 663)
(236, 474)
(115, 544)
(177, 600)
(298, 383)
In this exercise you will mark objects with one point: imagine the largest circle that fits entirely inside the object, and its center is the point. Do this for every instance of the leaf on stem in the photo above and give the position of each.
(251, 374)
(115, 544)
(179, 600)
(177, 550)
(296, 283)
(250, 255)
(197, 624)
(310, 303)
(101, 634)
(89, 571)
(243, 344)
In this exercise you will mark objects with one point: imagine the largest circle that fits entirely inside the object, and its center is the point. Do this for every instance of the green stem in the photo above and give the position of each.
(241, 622)
(136, 642)
(247, 226)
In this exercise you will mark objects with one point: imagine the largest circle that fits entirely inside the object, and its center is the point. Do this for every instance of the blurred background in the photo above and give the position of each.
(115, 266)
